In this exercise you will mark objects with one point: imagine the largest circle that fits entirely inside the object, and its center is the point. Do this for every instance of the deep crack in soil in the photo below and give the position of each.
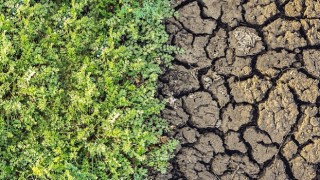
(244, 97)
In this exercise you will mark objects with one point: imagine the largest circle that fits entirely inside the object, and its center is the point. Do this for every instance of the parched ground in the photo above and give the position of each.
(244, 96)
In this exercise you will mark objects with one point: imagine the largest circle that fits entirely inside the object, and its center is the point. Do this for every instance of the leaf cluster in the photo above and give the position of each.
(77, 88)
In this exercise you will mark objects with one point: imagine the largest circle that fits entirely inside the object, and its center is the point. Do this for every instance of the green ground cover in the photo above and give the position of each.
(77, 88)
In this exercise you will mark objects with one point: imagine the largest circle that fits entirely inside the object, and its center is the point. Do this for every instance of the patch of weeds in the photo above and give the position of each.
(77, 88)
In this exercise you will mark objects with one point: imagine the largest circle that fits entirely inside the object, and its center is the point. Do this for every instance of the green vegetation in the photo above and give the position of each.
(77, 86)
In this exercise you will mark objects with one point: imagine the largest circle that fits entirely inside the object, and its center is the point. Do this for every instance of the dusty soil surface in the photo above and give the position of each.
(243, 99)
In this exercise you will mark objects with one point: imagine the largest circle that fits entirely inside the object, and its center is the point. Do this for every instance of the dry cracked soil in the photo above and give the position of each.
(243, 98)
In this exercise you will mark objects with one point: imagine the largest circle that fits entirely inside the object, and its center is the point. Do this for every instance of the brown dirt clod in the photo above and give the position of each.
(233, 65)
(309, 125)
(289, 150)
(257, 12)
(217, 44)
(203, 110)
(312, 63)
(260, 152)
(190, 18)
(234, 15)
(284, 34)
(188, 135)
(210, 143)
(294, 8)
(194, 49)
(312, 9)
(306, 88)
(271, 63)
(233, 117)
(189, 163)
(311, 152)
(175, 117)
(233, 142)
(301, 169)
(312, 28)
(276, 171)
(235, 164)
(215, 85)
(251, 90)
(278, 113)
(212, 8)
(181, 81)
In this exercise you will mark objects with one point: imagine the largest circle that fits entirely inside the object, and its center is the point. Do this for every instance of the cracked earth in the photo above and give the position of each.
(243, 98)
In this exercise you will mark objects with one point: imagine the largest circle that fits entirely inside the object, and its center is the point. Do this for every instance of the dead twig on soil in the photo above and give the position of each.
(235, 172)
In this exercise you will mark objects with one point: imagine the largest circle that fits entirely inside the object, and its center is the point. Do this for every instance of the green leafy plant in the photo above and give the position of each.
(77, 88)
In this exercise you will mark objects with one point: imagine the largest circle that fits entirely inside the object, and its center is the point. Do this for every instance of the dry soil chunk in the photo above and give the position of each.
(278, 113)
(204, 175)
(257, 12)
(204, 111)
(210, 143)
(245, 41)
(276, 171)
(272, 62)
(309, 125)
(194, 50)
(233, 117)
(284, 34)
(180, 80)
(188, 135)
(212, 8)
(190, 18)
(311, 152)
(251, 90)
(306, 88)
(189, 165)
(259, 152)
(173, 26)
(312, 28)
(198, 48)
(235, 163)
(312, 62)
(183, 39)
(233, 65)
(174, 103)
(289, 149)
(233, 142)
(176, 117)
(243, 165)
(312, 9)
(217, 44)
(234, 176)
(215, 84)
(294, 8)
(220, 163)
(302, 169)
(234, 15)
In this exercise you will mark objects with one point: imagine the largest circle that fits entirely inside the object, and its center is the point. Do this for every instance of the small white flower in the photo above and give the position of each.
(30, 75)
(114, 117)
(172, 100)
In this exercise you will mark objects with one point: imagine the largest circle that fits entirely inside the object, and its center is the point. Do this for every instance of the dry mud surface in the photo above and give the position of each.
(243, 99)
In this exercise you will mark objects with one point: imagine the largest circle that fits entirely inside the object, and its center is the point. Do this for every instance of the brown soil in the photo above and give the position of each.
(243, 98)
